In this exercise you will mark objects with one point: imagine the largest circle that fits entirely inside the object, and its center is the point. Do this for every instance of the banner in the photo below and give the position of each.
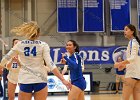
(120, 14)
(92, 54)
(55, 85)
(93, 15)
(138, 9)
(67, 16)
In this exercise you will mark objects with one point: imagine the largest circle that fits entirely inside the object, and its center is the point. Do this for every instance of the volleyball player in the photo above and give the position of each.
(13, 66)
(119, 74)
(32, 53)
(65, 69)
(74, 62)
(131, 83)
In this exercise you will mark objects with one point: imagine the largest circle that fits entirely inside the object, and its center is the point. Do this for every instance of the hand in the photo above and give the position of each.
(121, 67)
(63, 61)
(15, 59)
(63, 54)
(67, 84)
(116, 65)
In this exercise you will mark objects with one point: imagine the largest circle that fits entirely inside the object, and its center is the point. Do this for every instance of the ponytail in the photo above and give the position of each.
(133, 28)
(138, 40)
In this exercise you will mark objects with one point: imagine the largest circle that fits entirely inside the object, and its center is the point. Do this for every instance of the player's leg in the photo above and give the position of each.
(122, 79)
(77, 88)
(117, 83)
(24, 96)
(128, 86)
(25, 92)
(136, 91)
(11, 90)
(41, 91)
(74, 93)
(81, 96)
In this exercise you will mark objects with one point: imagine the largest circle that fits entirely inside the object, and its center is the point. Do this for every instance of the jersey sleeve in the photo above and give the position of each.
(8, 62)
(134, 51)
(10, 54)
(47, 57)
(72, 63)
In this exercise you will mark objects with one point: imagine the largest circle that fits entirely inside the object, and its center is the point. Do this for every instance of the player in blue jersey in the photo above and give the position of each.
(74, 62)
(31, 54)
(119, 74)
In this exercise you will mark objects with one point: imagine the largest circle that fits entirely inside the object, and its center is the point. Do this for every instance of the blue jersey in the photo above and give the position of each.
(74, 63)
(122, 72)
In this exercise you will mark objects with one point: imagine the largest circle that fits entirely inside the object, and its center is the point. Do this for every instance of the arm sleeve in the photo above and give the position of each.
(72, 63)
(47, 57)
(8, 56)
(134, 52)
(47, 68)
(7, 64)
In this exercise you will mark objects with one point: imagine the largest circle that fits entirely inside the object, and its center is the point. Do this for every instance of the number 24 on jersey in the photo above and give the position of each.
(30, 51)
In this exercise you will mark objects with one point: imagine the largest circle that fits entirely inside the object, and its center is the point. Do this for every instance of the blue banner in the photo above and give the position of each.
(138, 7)
(93, 15)
(67, 16)
(92, 54)
(120, 14)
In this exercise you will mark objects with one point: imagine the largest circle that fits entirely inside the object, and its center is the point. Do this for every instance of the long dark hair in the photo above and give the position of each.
(133, 28)
(76, 45)
(14, 41)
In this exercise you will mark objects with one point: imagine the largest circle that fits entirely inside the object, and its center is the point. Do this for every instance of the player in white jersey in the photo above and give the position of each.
(32, 54)
(132, 64)
(13, 66)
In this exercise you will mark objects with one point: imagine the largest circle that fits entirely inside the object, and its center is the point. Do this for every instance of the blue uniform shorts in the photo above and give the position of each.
(29, 88)
(80, 83)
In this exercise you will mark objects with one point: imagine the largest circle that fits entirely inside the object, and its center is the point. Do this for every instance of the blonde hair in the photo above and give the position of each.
(29, 30)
